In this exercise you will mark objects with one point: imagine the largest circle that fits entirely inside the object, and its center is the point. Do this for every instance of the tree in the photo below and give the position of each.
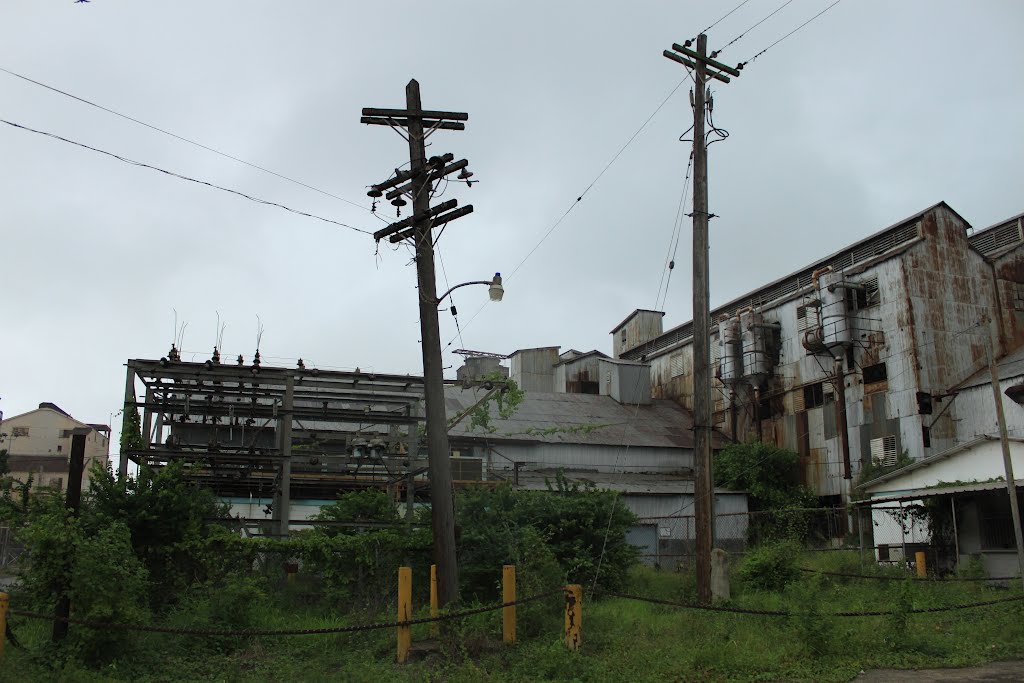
(131, 431)
(772, 479)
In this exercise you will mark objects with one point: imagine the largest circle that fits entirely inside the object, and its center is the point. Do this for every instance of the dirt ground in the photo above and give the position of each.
(988, 673)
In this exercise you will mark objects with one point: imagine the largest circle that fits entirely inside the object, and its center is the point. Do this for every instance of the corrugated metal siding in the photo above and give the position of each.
(599, 458)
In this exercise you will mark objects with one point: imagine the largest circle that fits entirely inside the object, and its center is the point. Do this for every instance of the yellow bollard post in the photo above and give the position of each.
(573, 616)
(4, 602)
(404, 612)
(508, 594)
(435, 626)
(922, 569)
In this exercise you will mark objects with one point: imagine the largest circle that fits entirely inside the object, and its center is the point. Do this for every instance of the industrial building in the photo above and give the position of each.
(856, 357)
(278, 443)
(592, 420)
(38, 445)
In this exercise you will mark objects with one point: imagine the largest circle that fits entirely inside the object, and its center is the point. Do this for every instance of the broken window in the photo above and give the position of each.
(926, 436)
(864, 296)
(814, 395)
(875, 373)
(19, 431)
(924, 403)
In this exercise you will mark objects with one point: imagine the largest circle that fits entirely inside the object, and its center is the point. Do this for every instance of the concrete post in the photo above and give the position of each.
(719, 575)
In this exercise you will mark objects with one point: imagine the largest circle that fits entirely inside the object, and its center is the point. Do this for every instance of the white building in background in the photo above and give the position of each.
(970, 480)
(38, 443)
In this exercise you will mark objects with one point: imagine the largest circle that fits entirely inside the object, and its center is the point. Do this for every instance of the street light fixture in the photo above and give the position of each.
(495, 289)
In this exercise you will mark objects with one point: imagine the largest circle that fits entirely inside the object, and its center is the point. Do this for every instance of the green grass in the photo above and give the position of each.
(623, 640)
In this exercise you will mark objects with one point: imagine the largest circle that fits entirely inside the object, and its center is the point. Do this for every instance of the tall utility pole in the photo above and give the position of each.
(1004, 439)
(705, 68)
(418, 182)
(72, 501)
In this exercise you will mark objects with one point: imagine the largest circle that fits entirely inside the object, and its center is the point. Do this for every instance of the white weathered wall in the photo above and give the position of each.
(44, 439)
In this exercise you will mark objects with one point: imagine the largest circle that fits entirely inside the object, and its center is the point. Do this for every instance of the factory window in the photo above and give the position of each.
(875, 373)
(865, 296)
(996, 523)
(770, 407)
(806, 318)
(924, 403)
(926, 436)
(59, 447)
(1018, 297)
(19, 431)
(675, 362)
(814, 396)
(883, 451)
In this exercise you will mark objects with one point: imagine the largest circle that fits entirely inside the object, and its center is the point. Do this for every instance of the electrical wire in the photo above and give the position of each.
(582, 194)
(182, 138)
(184, 177)
(599, 175)
(676, 238)
(752, 59)
(777, 10)
(448, 286)
(724, 16)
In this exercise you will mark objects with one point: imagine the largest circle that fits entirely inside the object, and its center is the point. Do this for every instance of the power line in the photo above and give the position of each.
(772, 14)
(182, 138)
(599, 175)
(724, 16)
(184, 177)
(791, 32)
(582, 194)
(676, 238)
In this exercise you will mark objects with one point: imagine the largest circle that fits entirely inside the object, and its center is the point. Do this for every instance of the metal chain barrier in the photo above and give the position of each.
(283, 632)
(780, 613)
(878, 577)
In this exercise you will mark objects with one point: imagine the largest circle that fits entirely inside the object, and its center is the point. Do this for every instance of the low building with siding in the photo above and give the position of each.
(968, 480)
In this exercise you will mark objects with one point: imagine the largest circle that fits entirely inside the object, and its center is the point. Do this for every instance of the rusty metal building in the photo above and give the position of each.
(853, 357)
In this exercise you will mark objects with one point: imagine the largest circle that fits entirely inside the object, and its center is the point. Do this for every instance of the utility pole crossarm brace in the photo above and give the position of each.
(440, 220)
(419, 123)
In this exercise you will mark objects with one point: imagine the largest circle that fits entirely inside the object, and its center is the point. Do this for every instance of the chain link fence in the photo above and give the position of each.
(893, 535)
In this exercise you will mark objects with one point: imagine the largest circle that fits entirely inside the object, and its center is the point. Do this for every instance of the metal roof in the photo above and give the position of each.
(930, 460)
(933, 491)
(623, 482)
(579, 419)
(1009, 366)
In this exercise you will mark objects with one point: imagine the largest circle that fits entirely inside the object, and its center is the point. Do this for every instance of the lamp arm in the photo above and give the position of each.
(464, 284)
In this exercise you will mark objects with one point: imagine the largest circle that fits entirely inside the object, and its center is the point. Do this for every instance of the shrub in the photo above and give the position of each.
(771, 567)
(583, 529)
(104, 580)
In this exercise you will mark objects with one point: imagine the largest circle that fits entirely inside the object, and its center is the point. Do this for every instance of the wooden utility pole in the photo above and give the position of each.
(703, 493)
(418, 181)
(1004, 439)
(72, 501)
(284, 435)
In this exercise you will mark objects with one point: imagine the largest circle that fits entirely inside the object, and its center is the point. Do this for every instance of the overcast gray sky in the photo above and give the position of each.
(871, 113)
